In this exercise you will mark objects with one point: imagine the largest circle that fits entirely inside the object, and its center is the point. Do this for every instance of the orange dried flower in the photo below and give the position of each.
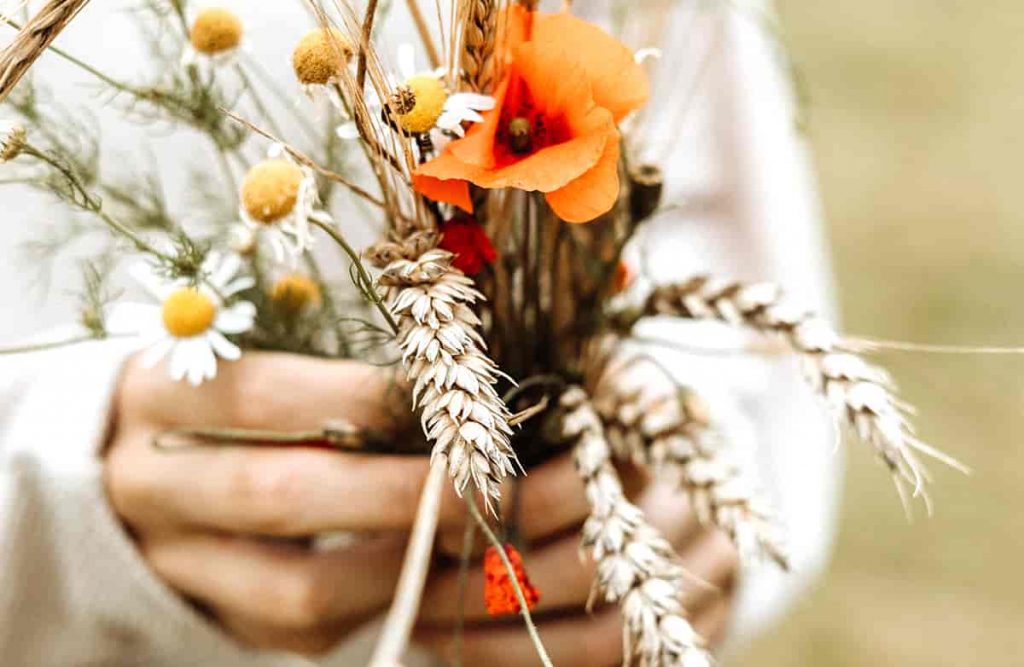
(499, 595)
(624, 277)
(553, 130)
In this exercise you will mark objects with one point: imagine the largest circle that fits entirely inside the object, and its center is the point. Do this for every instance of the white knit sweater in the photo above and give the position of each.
(73, 589)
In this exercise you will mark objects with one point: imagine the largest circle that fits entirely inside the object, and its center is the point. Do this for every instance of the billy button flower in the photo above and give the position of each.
(277, 199)
(499, 595)
(465, 238)
(295, 293)
(554, 128)
(215, 31)
(320, 57)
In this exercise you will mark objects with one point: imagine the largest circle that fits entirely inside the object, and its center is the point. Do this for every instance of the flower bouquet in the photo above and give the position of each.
(503, 178)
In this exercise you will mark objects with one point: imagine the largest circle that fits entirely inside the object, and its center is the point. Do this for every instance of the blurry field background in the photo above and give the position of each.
(916, 117)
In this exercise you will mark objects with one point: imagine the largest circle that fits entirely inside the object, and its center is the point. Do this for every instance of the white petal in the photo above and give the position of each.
(236, 318)
(224, 348)
(406, 60)
(132, 318)
(152, 356)
(473, 101)
(237, 285)
(227, 268)
(181, 358)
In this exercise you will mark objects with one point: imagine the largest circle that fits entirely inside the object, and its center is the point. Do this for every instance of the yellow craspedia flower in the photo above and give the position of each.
(421, 109)
(215, 30)
(295, 292)
(271, 189)
(320, 56)
(187, 312)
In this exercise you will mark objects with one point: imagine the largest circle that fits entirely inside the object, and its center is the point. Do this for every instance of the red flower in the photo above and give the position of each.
(499, 595)
(465, 238)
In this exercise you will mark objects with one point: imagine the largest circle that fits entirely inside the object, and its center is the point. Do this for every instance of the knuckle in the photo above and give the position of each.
(126, 485)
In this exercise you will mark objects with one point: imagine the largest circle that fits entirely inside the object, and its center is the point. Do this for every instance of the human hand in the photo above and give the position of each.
(550, 515)
(202, 516)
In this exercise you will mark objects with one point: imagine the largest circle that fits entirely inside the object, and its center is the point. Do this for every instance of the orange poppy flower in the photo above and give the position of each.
(499, 594)
(553, 129)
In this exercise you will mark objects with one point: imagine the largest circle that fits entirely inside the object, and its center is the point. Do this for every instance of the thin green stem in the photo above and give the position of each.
(39, 347)
(363, 275)
(93, 204)
(524, 609)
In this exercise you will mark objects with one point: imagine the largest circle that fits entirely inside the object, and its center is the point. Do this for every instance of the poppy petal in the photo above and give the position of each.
(619, 84)
(594, 193)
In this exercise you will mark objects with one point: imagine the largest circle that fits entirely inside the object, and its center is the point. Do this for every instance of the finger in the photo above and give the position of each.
(268, 491)
(712, 621)
(547, 501)
(268, 391)
(564, 581)
(285, 587)
(583, 641)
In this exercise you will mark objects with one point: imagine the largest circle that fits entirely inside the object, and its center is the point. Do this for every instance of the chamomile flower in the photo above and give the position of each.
(189, 323)
(12, 140)
(215, 36)
(278, 197)
(421, 102)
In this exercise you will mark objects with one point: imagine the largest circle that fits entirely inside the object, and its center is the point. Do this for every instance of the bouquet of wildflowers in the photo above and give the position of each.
(503, 177)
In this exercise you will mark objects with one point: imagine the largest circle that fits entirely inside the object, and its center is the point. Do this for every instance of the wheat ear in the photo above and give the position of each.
(668, 428)
(479, 34)
(453, 378)
(636, 566)
(861, 394)
(34, 37)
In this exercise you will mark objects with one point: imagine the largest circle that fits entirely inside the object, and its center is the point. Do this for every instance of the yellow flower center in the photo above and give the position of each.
(429, 95)
(294, 292)
(270, 190)
(187, 313)
(215, 31)
(320, 56)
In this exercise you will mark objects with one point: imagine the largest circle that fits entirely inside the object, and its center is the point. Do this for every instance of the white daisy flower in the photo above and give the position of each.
(215, 38)
(12, 139)
(277, 200)
(189, 323)
(422, 102)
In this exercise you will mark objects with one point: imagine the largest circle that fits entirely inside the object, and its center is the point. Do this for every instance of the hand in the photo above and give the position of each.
(202, 516)
(552, 507)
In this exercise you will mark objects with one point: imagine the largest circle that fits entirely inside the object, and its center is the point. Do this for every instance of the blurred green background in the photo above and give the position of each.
(915, 117)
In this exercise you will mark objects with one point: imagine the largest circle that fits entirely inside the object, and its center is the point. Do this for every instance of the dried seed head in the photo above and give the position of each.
(215, 31)
(320, 56)
(420, 103)
(271, 189)
(12, 141)
(295, 292)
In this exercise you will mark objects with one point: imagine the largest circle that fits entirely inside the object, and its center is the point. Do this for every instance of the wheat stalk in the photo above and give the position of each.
(669, 428)
(861, 394)
(479, 34)
(636, 566)
(453, 379)
(33, 39)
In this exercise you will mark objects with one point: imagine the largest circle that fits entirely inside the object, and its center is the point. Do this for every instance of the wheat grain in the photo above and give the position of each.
(453, 379)
(636, 566)
(479, 34)
(668, 428)
(861, 394)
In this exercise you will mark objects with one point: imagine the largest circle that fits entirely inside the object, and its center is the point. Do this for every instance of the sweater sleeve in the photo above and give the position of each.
(73, 588)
